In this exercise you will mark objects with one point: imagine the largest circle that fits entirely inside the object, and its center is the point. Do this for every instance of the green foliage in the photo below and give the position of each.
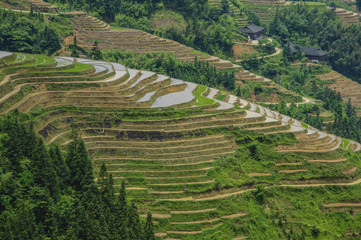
(74, 48)
(43, 196)
(95, 52)
(312, 26)
(31, 33)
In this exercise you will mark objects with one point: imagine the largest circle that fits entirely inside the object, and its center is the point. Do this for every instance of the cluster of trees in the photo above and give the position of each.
(165, 63)
(31, 33)
(48, 194)
(345, 124)
(309, 113)
(319, 27)
(207, 27)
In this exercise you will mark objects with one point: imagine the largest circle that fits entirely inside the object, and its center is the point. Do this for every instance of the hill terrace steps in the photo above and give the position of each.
(162, 159)
(246, 75)
(347, 16)
(270, 2)
(348, 88)
(90, 29)
(43, 6)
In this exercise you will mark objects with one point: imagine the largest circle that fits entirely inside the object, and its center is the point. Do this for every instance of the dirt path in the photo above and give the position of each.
(288, 164)
(236, 215)
(197, 222)
(350, 171)
(194, 211)
(160, 234)
(330, 205)
(293, 171)
(157, 215)
(220, 196)
(278, 51)
(177, 183)
(328, 161)
(184, 232)
(259, 174)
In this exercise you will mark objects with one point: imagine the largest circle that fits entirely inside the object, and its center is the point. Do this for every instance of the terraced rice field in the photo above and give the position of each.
(349, 89)
(347, 17)
(156, 133)
(90, 29)
(266, 10)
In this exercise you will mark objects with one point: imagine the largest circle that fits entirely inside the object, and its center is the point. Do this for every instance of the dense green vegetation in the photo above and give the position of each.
(32, 33)
(166, 63)
(46, 193)
(313, 26)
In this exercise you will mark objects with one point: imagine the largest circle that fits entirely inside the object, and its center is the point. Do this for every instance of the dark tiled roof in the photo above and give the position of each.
(292, 47)
(309, 51)
(252, 28)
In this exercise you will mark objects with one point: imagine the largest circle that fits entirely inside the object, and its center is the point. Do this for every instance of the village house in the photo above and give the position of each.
(311, 53)
(253, 31)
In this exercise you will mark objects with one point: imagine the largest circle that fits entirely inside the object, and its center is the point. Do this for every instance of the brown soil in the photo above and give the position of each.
(349, 89)
(259, 174)
(196, 222)
(160, 234)
(156, 215)
(288, 164)
(293, 171)
(236, 215)
(350, 171)
(240, 49)
(184, 232)
(329, 205)
(193, 211)
(328, 161)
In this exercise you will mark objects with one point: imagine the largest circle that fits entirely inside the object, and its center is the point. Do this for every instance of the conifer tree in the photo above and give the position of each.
(44, 174)
(350, 110)
(74, 51)
(31, 10)
(149, 230)
(80, 165)
(96, 53)
(134, 226)
(121, 212)
(59, 165)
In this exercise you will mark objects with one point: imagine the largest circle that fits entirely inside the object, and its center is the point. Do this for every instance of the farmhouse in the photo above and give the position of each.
(253, 31)
(311, 53)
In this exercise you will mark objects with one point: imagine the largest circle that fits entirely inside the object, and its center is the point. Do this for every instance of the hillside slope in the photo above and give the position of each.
(90, 29)
(173, 142)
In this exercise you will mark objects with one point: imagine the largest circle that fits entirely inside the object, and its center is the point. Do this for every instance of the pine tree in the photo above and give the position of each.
(31, 10)
(121, 212)
(74, 51)
(134, 226)
(59, 165)
(149, 230)
(96, 53)
(44, 174)
(238, 91)
(80, 165)
(350, 110)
